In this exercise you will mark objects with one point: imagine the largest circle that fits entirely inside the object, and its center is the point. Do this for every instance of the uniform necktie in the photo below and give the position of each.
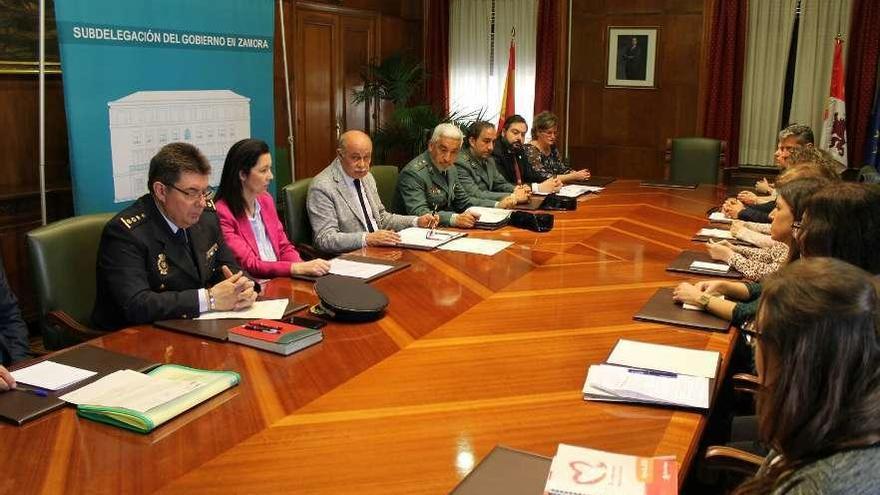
(357, 186)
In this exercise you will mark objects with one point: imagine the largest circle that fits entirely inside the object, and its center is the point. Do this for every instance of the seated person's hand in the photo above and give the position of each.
(428, 221)
(508, 203)
(236, 292)
(711, 286)
(6, 380)
(763, 186)
(737, 227)
(521, 193)
(465, 220)
(719, 251)
(550, 185)
(581, 174)
(747, 197)
(313, 268)
(383, 238)
(686, 293)
(732, 209)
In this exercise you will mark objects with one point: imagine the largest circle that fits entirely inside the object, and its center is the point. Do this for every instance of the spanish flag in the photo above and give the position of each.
(507, 97)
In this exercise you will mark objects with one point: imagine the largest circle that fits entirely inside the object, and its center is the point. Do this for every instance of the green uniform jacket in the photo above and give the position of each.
(481, 178)
(423, 188)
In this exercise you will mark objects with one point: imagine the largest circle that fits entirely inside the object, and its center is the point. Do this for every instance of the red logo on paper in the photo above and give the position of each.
(586, 473)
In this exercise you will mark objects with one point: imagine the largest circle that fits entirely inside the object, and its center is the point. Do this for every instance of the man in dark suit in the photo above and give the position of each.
(164, 257)
(13, 332)
(511, 159)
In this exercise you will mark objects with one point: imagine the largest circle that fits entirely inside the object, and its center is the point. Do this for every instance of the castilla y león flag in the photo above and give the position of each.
(834, 118)
(507, 104)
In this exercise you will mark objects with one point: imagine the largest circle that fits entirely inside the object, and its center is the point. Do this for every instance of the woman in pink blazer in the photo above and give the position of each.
(248, 218)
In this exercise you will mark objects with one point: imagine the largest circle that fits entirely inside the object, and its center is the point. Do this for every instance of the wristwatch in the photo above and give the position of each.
(704, 300)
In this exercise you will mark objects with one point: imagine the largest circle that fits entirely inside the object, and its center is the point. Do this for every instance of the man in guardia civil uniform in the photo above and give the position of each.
(478, 173)
(429, 183)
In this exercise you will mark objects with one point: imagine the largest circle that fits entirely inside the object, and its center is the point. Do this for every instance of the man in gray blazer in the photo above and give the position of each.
(344, 206)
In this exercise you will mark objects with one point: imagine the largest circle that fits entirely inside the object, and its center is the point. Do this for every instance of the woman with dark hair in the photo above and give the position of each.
(792, 199)
(818, 406)
(543, 154)
(843, 221)
(250, 224)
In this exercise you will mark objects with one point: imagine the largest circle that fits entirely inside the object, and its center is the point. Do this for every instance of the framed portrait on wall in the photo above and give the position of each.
(632, 57)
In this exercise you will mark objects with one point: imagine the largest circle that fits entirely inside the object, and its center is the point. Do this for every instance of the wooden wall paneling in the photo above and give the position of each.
(621, 131)
(360, 48)
(316, 95)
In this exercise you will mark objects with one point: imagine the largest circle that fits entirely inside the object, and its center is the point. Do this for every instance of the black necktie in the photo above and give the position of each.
(182, 237)
(357, 186)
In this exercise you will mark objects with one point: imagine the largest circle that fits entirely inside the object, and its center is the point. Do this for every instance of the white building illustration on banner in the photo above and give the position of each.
(144, 121)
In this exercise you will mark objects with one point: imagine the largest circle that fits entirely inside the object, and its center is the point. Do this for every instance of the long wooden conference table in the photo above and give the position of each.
(474, 351)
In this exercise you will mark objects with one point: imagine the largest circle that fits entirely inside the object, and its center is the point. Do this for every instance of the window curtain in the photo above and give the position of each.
(476, 76)
(726, 67)
(547, 43)
(821, 21)
(861, 76)
(769, 36)
(437, 54)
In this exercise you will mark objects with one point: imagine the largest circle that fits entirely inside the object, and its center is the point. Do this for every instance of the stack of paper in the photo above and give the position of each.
(486, 247)
(490, 216)
(582, 471)
(717, 216)
(356, 269)
(654, 374)
(419, 238)
(716, 233)
(50, 375)
(712, 267)
(272, 309)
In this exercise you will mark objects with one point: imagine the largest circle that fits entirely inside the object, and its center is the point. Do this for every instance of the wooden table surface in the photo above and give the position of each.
(474, 351)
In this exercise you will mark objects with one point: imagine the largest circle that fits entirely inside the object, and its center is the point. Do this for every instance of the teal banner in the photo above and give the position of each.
(140, 74)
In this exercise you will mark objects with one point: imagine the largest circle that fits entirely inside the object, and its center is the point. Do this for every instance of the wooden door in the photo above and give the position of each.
(332, 47)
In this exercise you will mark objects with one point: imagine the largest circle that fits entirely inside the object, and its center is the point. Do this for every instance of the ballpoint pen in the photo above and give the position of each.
(35, 391)
(262, 328)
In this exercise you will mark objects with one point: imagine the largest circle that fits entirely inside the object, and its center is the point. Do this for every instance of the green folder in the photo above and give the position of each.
(213, 382)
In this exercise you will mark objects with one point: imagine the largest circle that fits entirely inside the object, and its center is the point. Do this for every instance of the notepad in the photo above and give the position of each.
(717, 233)
(667, 358)
(717, 216)
(180, 388)
(646, 386)
(419, 238)
(486, 247)
(357, 269)
(583, 471)
(272, 309)
(50, 375)
(705, 265)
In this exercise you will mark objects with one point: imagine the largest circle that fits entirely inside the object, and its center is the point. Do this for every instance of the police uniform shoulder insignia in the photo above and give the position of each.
(209, 204)
(132, 221)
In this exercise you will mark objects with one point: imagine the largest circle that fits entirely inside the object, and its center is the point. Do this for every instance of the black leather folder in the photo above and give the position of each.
(506, 471)
(682, 264)
(596, 181)
(662, 309)
(19, 406)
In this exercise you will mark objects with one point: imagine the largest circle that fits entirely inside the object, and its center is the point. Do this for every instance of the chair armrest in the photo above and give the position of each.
(745, 382)
(731, 459)
(68, 326)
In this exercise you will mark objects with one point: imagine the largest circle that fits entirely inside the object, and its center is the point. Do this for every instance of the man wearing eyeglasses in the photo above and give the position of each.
(164, 257)
(344, 207)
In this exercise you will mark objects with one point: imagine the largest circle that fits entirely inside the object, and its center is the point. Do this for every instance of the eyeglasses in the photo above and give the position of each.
(435, 235)
(193, 195)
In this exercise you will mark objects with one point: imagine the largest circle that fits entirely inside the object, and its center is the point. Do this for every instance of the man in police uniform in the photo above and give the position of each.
(429, 183)
(477, 172)
(164, 257)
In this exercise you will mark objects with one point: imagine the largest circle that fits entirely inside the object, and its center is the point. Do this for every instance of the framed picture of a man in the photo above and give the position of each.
(632, 57)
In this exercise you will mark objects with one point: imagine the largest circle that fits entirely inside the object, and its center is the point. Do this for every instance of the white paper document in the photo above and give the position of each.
(664, 358)
(490, 215)
(130, 390)
(487, 247)
(426, 238)
(272, 309)
(717, 233)
(356, 269)
(648, 386)
(705, 265)
(717, 216)
(50, 375)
